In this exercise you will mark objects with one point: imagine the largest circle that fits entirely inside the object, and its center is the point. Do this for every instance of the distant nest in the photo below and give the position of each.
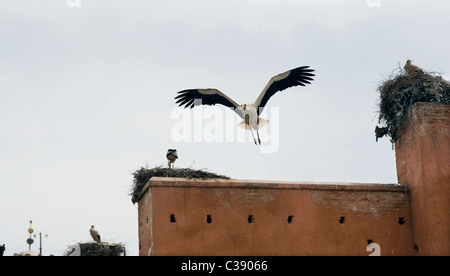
(100, 249)
(398, 93)
(143, 175)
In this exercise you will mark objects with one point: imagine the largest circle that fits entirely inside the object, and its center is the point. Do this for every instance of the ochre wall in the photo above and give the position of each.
(423, 164)
(371, 213)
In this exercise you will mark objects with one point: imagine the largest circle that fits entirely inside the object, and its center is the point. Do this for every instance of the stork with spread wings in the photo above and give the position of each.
(248, 112)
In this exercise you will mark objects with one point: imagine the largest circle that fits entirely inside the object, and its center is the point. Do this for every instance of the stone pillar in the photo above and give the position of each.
(423, 164)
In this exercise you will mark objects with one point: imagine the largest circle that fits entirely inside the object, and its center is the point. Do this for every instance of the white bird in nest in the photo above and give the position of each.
(248, 112)
(95, 234)
(412, 70)
(172, 155)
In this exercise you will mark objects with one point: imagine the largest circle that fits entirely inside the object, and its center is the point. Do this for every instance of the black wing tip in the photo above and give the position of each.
(304, 71)
(304, 68)
(182, 99)
(305, 75)
(184, 94)
(181, 94)
(187, 91)
(185, 98)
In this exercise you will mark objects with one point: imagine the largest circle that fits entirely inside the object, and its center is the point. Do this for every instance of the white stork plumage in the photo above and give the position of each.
(95, 234)
(248, 112)
(171, 155)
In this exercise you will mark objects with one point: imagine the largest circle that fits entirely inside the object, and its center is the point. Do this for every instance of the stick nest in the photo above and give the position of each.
(100, 249)
(399, 92)
(143, 175)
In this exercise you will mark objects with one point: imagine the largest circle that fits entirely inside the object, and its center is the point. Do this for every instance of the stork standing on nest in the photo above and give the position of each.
(95, 234)
(248, 112)
(412, 70)
(172, 155)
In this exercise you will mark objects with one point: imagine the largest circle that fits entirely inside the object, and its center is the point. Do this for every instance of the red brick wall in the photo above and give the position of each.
(423, 164)
(294, 218)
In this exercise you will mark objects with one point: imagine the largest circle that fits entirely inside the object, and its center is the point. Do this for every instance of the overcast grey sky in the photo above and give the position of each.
(86, 98)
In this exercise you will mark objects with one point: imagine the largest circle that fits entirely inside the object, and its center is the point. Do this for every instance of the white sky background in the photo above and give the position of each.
(86, 97)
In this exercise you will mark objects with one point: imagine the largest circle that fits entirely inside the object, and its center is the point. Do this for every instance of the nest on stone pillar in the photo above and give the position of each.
(400, 91)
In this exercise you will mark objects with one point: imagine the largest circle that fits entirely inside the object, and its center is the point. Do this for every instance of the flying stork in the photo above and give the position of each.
(248, 112)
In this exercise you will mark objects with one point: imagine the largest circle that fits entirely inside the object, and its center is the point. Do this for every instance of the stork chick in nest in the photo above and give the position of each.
(171, 155)
(412, 70)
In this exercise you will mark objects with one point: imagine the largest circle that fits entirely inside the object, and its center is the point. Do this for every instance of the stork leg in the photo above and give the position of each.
(257, 133)
(251, 130)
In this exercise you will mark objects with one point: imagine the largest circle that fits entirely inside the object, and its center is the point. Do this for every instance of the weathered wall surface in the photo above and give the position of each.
(423, 164)
(241, 217)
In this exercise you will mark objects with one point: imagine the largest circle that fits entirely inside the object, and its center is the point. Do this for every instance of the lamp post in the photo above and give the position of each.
(40, 241)
(30, 240)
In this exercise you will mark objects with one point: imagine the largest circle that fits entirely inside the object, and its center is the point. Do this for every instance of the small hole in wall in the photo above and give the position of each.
(342, 220)
(290, 218)
(369, 242)
(416, 248)
(251, 219)
(401, 220)
(208, 219)
(172, 218)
